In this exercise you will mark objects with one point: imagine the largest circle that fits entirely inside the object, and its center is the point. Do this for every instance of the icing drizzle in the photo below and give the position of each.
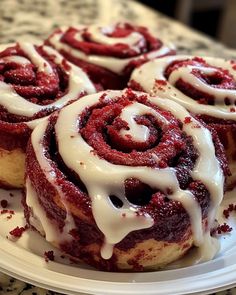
(18, 105)
(154, 71)
(116, 65)
(99, 35)
(103, 178)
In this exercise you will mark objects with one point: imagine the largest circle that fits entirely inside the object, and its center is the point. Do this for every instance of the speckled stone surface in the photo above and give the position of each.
(33, 20)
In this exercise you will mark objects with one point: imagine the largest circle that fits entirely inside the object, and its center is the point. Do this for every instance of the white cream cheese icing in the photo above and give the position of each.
(18, 105)
(114, 64)
(152, 71)
(103, 179)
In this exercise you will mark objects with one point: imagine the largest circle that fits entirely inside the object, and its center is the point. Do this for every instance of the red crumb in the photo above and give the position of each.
(223, 228)
(11, 195)
(4, 203)
(49, 255)
(230, 209)
(196, 126)
(18, 231)
(187, 120)
(160, 82)
(5, 211)
(232, 110)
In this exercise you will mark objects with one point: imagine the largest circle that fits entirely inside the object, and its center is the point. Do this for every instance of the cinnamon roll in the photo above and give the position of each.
(122, 181)
(206, 86)
(108, 53)
(34, 82)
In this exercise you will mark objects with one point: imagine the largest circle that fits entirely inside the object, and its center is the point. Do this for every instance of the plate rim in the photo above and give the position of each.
(21, 261)
(43, 277)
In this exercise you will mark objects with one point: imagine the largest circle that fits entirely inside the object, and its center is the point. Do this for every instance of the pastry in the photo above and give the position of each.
(206, 86)
(124, 181)
(108, 53)
(34, 82)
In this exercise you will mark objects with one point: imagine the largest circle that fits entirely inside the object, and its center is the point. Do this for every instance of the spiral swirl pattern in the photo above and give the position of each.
(124, 152)
(205, 86)
(107, 51)
(35, 81)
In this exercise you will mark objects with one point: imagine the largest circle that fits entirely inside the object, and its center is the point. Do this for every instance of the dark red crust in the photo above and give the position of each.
(221, 79)
(222, 127)
(117, 50)
(36, 87)
(226, 131)
(106, 78)
(98, 74)
(135, 86)
(171, 222)
(220, 140)
(13, 137)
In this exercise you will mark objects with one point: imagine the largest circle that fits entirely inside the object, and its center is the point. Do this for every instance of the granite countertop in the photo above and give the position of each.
(32, 20)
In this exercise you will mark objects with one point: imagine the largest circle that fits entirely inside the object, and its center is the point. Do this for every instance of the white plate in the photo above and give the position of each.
(24, 260)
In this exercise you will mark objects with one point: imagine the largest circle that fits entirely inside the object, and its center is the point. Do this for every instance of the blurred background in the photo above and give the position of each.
(216, 18)
(34, 20)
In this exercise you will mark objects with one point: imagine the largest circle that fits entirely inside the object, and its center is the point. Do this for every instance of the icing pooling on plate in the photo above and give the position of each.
(18, 105)
(155, 70)
(103, 178)
(116, 65)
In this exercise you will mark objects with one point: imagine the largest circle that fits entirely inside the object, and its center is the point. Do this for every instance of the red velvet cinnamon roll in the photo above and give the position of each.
(34, 82)
(108, 53)
(122, 181)
(206, 86)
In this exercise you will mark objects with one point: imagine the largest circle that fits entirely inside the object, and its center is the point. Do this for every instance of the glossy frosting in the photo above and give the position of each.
(103, 179)
(152, 78)
(16, 104)
(134, 41)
